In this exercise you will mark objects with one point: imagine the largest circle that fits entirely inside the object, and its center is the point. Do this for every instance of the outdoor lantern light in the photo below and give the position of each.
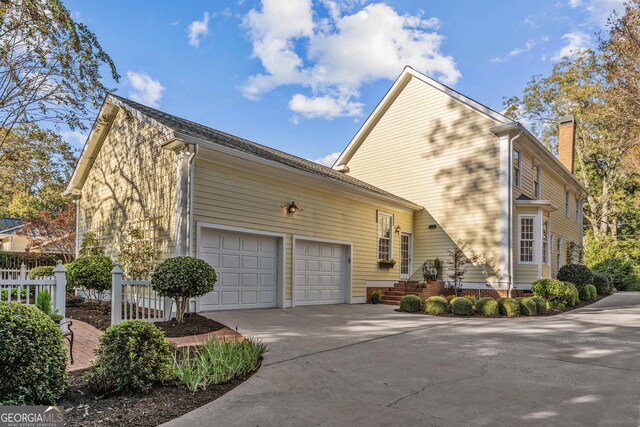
(291, 207)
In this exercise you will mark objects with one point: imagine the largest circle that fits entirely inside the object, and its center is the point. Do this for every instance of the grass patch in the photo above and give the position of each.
(218, 361)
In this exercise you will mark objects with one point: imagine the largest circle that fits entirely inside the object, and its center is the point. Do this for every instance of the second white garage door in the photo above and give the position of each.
(247, 269)
(320, 273)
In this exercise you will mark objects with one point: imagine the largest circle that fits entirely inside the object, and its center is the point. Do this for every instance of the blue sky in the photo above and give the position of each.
(302, 75)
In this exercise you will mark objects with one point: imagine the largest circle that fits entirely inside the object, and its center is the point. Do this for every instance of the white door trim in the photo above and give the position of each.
(410, 267)
(348, 299)
(280, 288)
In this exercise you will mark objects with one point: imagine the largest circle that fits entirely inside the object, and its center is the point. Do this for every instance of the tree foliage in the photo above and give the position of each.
(49, 67)
(54, 232)
(137, 256)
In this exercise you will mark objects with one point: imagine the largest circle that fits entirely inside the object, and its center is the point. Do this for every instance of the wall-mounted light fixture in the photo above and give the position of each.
(291, 207)
(397, 229)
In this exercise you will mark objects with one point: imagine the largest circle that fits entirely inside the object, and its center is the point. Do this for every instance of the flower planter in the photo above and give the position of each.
(383, 264)
(375, 300)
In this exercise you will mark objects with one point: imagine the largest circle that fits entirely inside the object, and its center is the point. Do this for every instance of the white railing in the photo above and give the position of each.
(136, 299)
(17, 287)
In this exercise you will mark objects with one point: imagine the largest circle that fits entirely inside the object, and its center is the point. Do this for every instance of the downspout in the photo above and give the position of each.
(510, 169)
(184, 160)
(192, 156)
(77, 203)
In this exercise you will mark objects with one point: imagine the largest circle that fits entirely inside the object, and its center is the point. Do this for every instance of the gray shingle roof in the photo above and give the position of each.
(10, 225)
(196, 130)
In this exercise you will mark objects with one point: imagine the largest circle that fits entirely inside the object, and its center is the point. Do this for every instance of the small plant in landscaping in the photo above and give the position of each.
(375, 296)
(528, 306)
(137, 256)
(43, 303)
(461, 306)
(132, 357)
(578, 274)
(509, 307)
(92, 273)
(458, 262)
(487, 307)
(33, 359)
(436, 305)
(217, 362)
(410, 303)
(602, 282)
(43, 271)
(541, 304)
(182, 278)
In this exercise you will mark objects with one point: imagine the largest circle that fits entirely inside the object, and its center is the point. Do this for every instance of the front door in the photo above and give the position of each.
(406, 249)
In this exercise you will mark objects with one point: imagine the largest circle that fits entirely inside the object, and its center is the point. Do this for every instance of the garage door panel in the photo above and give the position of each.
(247, 268)
(319, 272)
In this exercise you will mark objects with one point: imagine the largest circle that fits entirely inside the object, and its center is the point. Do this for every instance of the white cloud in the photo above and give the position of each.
(75, 138)
(334, 56)
(574, 3)
(328, 160)
(325, 106)
(576, 42)
(198, 29)
(530, 44)
(598, 10)
(144, 89)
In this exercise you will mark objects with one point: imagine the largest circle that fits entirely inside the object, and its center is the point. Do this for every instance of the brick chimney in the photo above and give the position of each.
(567, 142)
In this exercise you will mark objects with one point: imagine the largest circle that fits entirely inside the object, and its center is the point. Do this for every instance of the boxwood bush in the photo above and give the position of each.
(43, 271)
(461, 306)
(578, 274)
(573, 296)
(588, 293)
(132, 357)
(528, 306)
(92, 272)
(558, 293)
(509, 307)
(410, 303)
(541, 304)
(182, 278)
(33, 358)
(436, 305)
(602, 282)
(488, 307)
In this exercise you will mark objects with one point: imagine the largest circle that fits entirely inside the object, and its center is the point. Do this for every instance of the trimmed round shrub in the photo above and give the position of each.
(602, 282)
(436, 306)
(44, 271)
(528, 306)
(133, 356)
(556, 292)
(573, 296)
(588, 293)
(488, 307)
(33, 358)
(410, 303)
(92, 272)
(461, 306)
(471, 298)
(509, 307)
(182, 278)
(541, 304)
(578, 274)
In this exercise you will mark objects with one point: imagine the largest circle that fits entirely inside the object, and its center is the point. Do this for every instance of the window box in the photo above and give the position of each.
(386, 263)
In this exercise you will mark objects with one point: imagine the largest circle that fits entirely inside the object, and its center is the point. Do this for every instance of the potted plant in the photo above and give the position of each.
(375, 296)
(437, 265)
(386, 263)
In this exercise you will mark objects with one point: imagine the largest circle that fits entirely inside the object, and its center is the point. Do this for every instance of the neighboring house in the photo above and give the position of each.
(429, 167)
(10, 239)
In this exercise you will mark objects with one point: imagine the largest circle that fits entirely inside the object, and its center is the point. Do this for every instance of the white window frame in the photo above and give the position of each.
(546, 256)
(390, 216)
(517, 179)
(567, 203)
(537, 173)
(532, 217)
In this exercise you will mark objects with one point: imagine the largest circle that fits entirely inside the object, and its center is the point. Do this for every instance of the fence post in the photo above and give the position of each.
(23, 272)
(60, 274)
(116, 294)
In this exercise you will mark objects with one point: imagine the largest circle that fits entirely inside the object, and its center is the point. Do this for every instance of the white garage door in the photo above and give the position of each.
(320, 273)
(247, 269)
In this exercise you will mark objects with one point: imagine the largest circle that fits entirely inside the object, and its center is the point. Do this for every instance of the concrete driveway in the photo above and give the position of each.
(369, 365)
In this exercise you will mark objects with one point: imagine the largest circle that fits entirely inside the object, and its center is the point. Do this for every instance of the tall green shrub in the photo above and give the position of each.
(182, 278)
(602, 282)
(43, 271)
(33, 359)
(578, 274)
(133, 356)
(91, 272)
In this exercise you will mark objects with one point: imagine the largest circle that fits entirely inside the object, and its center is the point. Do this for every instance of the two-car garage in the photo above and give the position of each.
(251, 269)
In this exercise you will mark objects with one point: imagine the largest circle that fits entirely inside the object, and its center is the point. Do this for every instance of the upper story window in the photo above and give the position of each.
(526, 239)
(517, 170)
(536, 182)
(567, 203)
(385, 223)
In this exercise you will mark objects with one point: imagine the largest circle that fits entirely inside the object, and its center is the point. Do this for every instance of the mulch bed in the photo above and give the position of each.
(161, 404)
(98, 315)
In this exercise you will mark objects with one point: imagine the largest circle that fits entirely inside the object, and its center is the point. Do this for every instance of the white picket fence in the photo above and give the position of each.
(136, 299)
(16, 286)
